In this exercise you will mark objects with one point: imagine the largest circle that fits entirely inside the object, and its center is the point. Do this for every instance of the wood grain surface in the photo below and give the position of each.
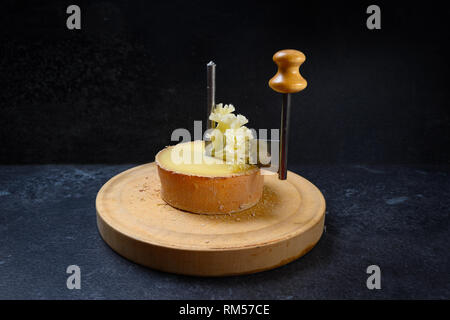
(139, 225)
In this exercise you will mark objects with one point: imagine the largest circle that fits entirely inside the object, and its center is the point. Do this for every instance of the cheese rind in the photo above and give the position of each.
(208, 189)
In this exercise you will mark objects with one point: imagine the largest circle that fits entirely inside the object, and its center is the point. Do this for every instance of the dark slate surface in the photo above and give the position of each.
(395, 217)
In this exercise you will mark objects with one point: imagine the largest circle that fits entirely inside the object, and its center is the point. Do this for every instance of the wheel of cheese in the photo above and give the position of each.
(207, 188)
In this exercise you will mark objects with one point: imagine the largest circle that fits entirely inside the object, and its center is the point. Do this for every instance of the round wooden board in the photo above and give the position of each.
(139, 225)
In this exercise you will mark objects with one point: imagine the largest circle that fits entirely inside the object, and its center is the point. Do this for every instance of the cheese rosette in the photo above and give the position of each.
(230, 137)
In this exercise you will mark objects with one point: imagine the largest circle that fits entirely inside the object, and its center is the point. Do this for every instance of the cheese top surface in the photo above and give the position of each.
(190, 158)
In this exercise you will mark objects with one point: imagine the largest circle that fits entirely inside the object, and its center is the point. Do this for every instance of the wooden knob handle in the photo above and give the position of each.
(288, 78)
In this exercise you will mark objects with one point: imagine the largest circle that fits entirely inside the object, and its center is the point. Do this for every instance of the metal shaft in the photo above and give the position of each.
(284, 135)
(211, 91)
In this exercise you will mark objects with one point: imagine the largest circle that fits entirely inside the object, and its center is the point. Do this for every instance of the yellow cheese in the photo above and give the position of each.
(194, 182)
(226, 183)
(190, 158)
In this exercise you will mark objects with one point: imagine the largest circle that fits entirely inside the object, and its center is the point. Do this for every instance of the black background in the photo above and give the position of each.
(114, 91)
